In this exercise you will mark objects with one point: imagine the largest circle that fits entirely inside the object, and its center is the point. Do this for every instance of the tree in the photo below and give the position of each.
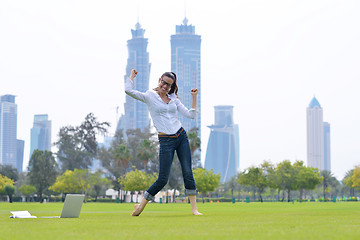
(9, 190)
(269, 173)
(121, 155)
(328, 181)
(9, 171)
(206, 180)
(78, 181)
(115, 159)
(195, 143)
(286, 177)
(83, 179)
(98, 183)
(135, 137)
(356, 178)
(348, 181)
(113, 167)
(137, 180)
(146, 150)
(254, 176)
(88, 131)
(27, 190)
(43, 170)
(66, 183)
(70, 151)
(232, 184)
(307, 177)
(5, 181)
(77, 146)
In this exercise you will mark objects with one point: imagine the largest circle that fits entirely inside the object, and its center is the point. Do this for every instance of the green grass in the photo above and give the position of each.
(174, 221)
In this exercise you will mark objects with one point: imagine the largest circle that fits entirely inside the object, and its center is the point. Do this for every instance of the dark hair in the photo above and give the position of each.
(174, 87)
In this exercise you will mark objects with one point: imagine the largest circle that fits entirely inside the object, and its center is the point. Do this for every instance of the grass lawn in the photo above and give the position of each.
(174, 221)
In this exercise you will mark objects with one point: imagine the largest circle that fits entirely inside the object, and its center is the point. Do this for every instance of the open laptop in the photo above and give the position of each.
(72, 206)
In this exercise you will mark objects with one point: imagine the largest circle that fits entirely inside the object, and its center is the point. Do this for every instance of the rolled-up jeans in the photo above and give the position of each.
(178, 142)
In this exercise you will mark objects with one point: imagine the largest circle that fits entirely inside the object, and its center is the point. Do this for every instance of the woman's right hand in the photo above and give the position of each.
(133, 74)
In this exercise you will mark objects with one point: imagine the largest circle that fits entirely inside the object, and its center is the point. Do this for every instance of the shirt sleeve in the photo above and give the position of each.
(189, 113)
(132, 92)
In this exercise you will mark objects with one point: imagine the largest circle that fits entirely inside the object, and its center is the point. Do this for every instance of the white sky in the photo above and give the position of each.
(266, 58)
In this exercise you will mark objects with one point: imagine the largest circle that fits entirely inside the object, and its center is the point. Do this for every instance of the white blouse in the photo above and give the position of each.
(164, 115)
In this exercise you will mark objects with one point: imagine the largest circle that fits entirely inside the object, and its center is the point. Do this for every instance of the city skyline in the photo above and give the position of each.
(266, 58)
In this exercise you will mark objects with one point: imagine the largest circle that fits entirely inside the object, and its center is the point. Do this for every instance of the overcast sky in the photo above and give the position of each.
(266, 58)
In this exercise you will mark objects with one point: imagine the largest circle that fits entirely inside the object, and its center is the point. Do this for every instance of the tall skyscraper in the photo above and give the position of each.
(222, 154)
(136, 113)
(185, 62)
(40, 134)
(318, 137)
(9, 145)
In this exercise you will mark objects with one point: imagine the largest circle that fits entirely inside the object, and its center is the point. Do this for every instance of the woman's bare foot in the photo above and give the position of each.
(197, 213)
(137, 210)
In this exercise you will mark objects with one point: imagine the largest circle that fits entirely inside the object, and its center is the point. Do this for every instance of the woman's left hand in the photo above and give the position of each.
(133, 74)
(194, 91)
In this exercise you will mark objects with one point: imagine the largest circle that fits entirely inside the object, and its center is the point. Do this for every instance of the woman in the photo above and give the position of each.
(163, 105)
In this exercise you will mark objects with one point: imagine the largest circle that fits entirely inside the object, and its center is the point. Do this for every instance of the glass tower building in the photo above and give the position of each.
(19, 154)
(136, 113)
(185, 63)
(40, 134)
(327, 163)
(222, 154)
(9, 145)
(318, 137)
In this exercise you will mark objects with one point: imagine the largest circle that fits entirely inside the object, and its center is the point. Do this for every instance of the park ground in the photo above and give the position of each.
(311, 220)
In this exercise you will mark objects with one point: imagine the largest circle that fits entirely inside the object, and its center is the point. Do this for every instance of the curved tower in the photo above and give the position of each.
(222, 154)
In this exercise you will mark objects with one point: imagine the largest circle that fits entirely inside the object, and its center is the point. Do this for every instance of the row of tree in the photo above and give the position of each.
(294, 179)
(78, 148)
(132, 157)
(283, 176)
(286, 177)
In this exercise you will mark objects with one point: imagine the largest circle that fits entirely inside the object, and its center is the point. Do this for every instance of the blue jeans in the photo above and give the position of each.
(168, 145)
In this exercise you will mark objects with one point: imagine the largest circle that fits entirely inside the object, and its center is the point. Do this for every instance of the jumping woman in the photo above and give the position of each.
(164, 104)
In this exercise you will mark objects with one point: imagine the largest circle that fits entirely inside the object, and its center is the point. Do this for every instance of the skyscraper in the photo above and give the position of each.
(318, 137)
(222, 154)
(327, 162)
(136, 113)
(40, 134)
(9, 146)
(19, 154)
(185, 63)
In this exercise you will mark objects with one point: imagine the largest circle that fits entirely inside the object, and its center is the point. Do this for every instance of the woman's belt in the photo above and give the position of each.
(176, 135)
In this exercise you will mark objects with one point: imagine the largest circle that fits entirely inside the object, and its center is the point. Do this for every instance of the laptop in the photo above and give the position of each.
(72, 206)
